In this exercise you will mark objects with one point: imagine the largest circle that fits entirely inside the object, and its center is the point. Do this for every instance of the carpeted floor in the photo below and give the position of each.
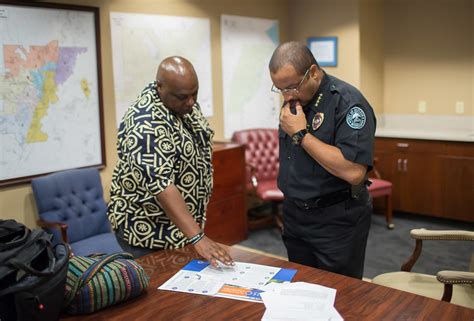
(388, 249)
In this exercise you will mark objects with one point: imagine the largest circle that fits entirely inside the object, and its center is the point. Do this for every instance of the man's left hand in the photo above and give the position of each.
(212, 252)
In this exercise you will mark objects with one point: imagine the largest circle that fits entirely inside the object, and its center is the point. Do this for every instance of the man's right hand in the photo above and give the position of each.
(212, 252)
(292, 122)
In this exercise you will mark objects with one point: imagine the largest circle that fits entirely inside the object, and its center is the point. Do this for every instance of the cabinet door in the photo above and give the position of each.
(419, 181)
(387, 167)
(229, 172)
(386, 159)
(227, 222)
(226, 212)
(385, 153)
(414, 170)
(458, 187)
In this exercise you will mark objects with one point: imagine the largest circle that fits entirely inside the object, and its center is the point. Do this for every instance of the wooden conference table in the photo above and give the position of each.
(356, 300)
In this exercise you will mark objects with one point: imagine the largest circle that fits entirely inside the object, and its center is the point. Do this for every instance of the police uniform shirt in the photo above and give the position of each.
(155, 149)
(338, 115)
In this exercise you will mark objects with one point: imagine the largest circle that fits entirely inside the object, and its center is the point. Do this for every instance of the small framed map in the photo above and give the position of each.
(51, 116)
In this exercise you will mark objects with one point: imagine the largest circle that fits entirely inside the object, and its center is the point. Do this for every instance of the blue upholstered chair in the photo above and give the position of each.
(72, 207)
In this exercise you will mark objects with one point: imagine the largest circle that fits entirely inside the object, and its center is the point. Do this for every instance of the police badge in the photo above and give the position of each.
(317, 120)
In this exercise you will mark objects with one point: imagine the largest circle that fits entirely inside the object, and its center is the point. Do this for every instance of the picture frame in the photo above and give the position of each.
(51, 113)
(324, 49)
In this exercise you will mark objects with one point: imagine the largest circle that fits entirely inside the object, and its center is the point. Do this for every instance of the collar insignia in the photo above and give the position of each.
(320, 96)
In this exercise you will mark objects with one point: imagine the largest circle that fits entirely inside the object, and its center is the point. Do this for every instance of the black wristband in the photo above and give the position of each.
(196, 238)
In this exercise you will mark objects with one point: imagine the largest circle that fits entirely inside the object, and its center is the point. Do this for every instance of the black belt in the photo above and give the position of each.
(323, 201)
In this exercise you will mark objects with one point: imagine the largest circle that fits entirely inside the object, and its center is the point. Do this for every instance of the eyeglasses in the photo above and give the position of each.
(291, 90)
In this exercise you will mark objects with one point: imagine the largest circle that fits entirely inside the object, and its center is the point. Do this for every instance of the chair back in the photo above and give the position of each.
(261, 151)
(74, 197)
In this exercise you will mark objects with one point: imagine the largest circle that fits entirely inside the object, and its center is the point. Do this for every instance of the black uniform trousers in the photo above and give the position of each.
(332, 238)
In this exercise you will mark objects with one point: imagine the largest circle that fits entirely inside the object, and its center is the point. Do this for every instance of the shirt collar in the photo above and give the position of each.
(195, 120)
(323, 87)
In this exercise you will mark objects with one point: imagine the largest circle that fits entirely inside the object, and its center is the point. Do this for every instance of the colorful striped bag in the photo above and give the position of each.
(96, 282)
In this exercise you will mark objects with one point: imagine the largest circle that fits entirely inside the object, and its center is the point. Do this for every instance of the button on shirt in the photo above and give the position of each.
(349, 124)
(155, 149)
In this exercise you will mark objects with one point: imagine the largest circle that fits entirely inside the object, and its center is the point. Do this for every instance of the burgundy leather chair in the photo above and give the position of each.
(382, 188)
(262, 163)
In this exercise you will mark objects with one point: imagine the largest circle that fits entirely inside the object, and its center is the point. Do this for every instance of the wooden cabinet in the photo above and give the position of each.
(429, 177)
(458, 181)
(226, 212)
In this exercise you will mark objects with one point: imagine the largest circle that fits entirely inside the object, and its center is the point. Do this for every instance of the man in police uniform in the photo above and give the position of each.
(326, 136)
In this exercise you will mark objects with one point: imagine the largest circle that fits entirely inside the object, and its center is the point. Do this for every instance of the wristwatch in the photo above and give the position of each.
(298, 136)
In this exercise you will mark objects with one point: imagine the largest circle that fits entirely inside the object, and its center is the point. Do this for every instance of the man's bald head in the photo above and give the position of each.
(293, 53)
(175, 68)
(177, 84)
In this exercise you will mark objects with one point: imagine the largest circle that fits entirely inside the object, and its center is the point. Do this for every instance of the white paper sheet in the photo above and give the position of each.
(192, 282)
(242, 274)
(300, 301)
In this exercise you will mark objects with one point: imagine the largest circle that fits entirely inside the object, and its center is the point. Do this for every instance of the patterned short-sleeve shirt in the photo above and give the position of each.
(156, 148)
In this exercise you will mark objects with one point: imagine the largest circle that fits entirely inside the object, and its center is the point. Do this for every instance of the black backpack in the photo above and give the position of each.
(32, 273)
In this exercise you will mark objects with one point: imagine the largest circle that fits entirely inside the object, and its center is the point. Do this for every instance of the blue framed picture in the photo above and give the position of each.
(324, 50)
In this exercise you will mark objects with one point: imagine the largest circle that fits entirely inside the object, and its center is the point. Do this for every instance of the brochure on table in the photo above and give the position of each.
(243, 281)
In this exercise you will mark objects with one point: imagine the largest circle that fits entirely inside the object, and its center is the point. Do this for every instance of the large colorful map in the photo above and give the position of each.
(49, 102)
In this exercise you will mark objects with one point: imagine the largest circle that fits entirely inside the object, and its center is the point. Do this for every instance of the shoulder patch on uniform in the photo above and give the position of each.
(355, 118)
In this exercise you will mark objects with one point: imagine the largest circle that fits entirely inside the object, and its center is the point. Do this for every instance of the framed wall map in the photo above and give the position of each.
(50, 90)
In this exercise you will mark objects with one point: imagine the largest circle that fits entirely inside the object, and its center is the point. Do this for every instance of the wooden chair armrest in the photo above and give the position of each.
(62, 227)
(458, 235)
(453, 277)
(423, 234)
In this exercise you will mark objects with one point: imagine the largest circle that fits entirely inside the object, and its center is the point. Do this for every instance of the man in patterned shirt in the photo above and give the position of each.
(162, 182)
